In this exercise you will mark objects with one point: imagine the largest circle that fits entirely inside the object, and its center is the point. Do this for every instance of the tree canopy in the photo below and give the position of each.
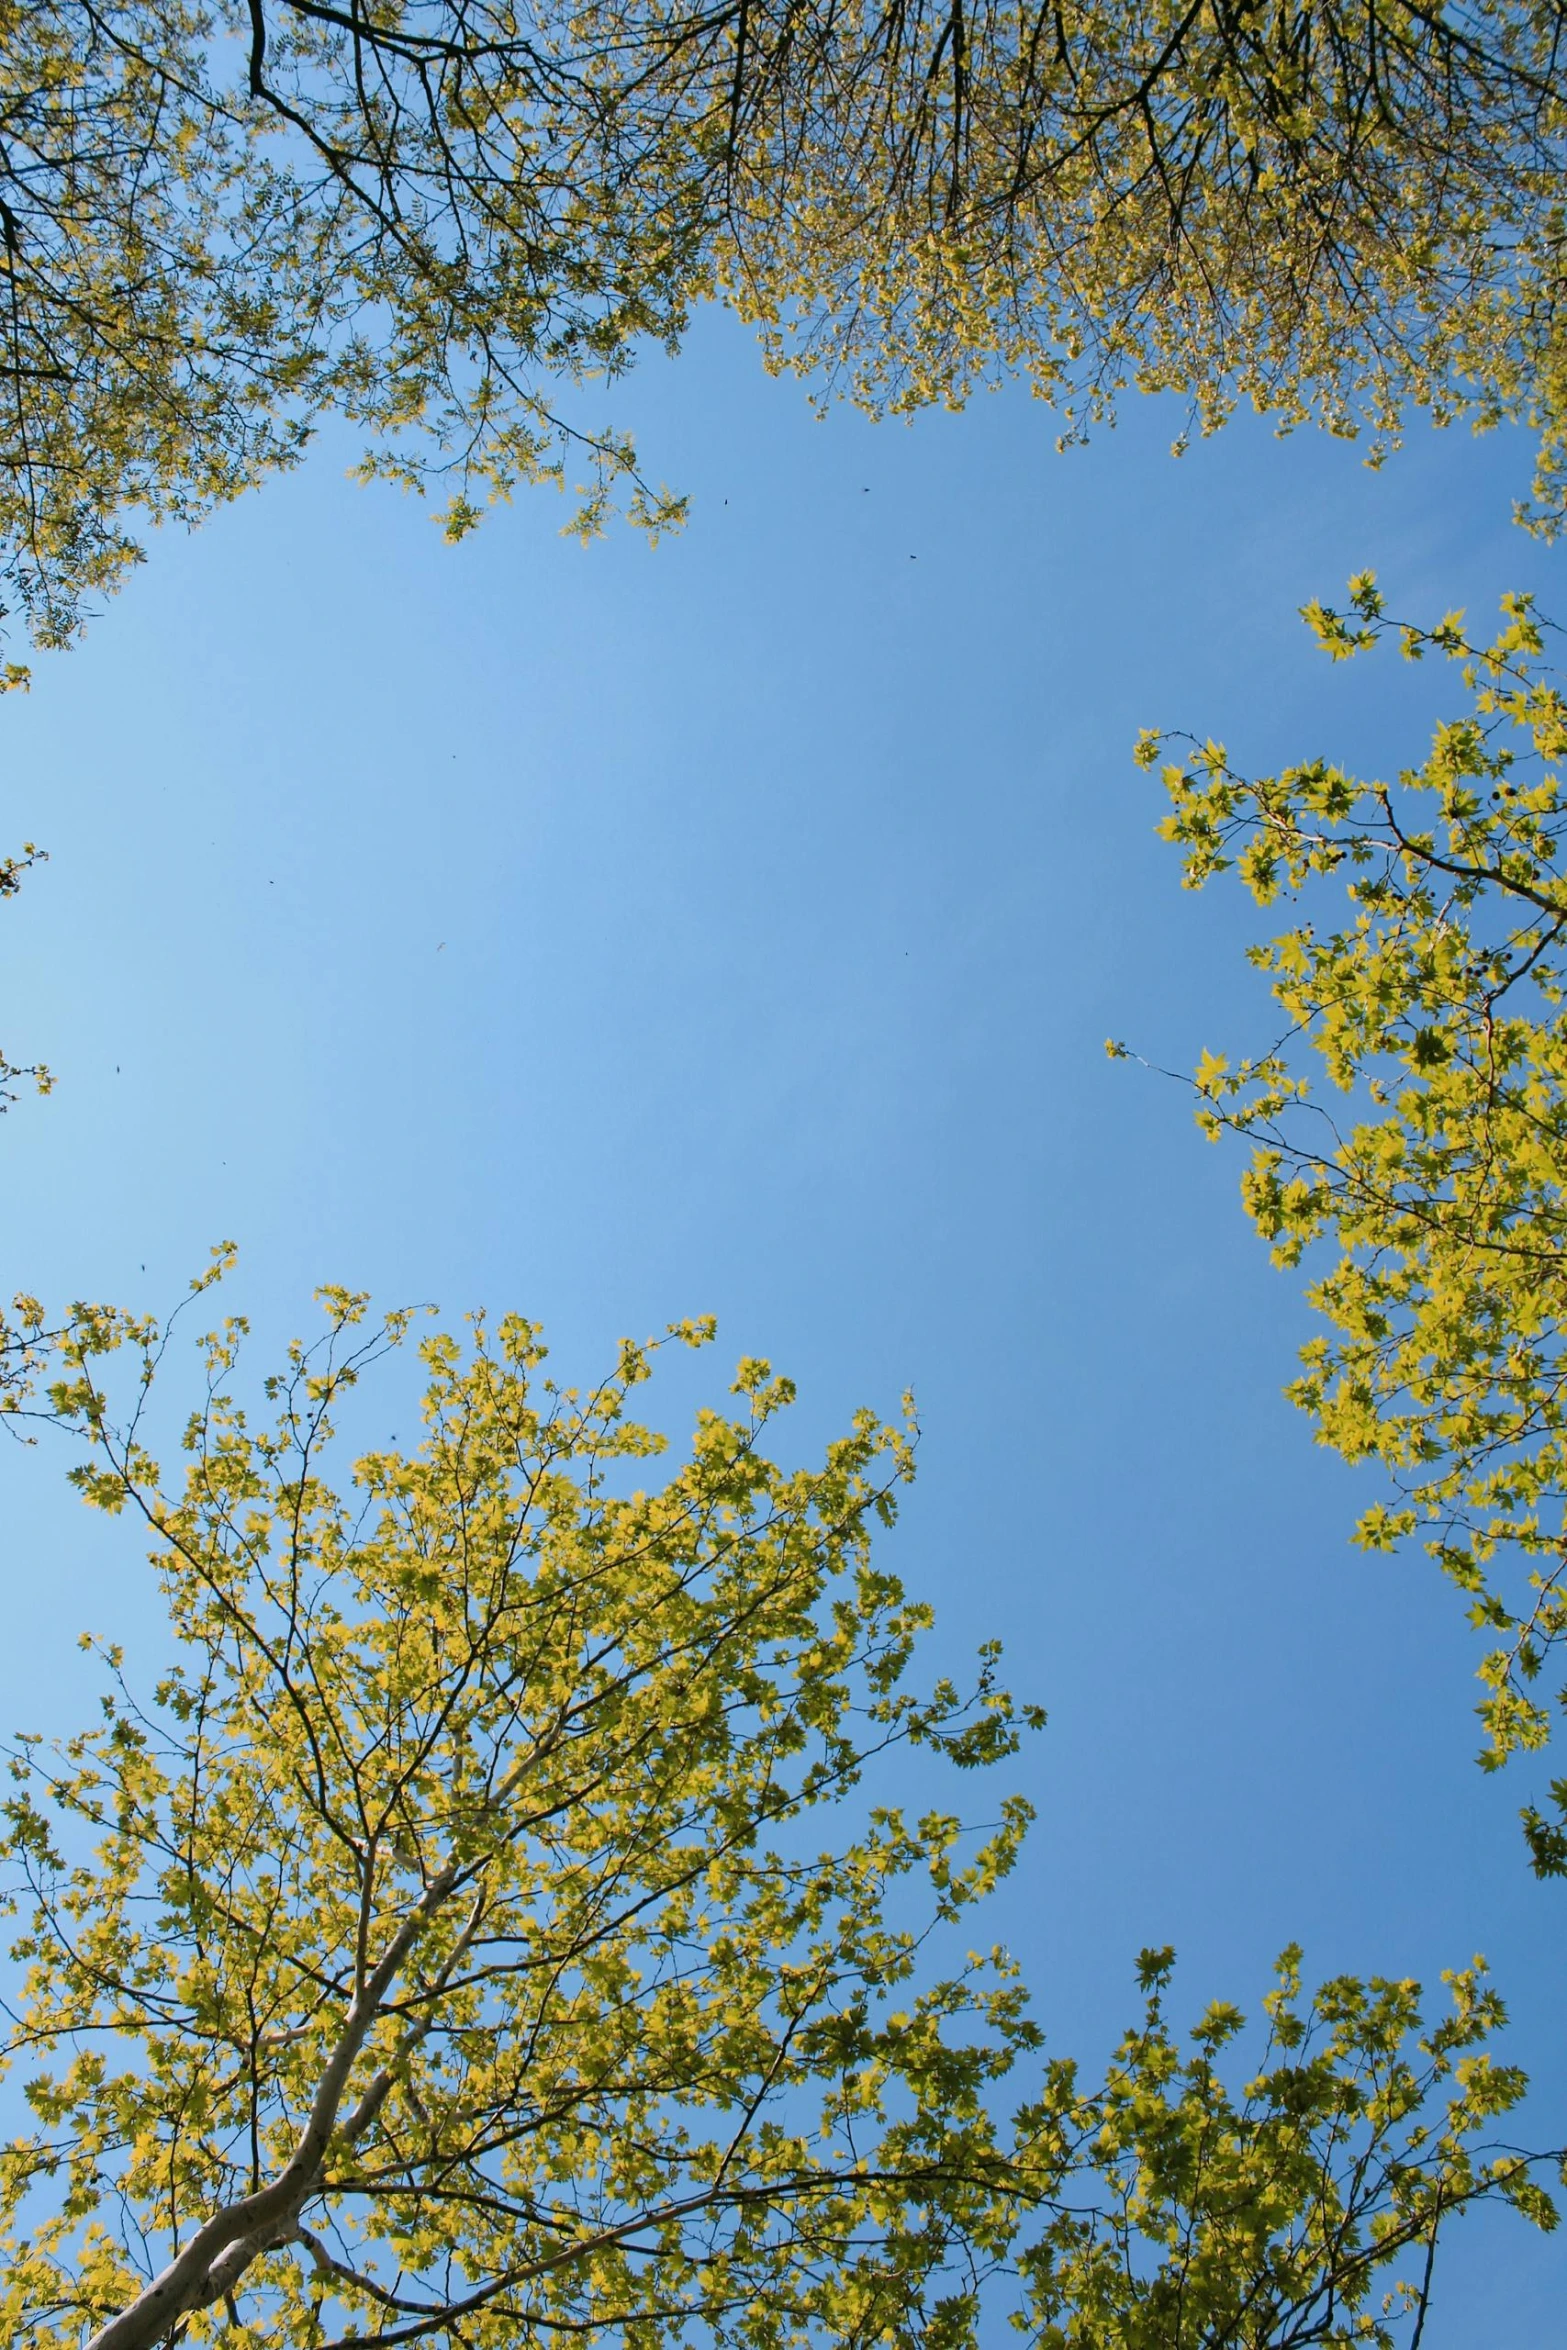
(1411, 1123)
(436, 217)
(449, 1952)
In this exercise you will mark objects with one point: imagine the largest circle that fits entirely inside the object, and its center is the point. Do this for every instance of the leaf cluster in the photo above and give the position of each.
(1411, 1124)
(1269, 2218)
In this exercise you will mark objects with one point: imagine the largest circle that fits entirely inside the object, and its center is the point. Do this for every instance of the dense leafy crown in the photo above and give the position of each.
(435, 216)
(1263, 2222)
(1433, 1165)
(458, 1908)
(449, 1953)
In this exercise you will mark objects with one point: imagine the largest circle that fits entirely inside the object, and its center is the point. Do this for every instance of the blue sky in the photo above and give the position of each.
(735, 926)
